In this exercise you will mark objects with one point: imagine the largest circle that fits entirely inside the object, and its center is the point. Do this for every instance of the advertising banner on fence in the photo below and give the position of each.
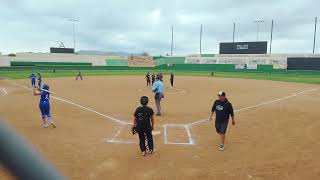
(252, 66)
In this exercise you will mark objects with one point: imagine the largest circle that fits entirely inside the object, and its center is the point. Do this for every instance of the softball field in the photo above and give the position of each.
(276, 136)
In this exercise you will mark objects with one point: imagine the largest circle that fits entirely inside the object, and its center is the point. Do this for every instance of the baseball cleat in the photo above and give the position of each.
(45, 125)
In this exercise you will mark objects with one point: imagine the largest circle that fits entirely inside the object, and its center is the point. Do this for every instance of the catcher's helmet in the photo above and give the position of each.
(45, 86)
(144, 100)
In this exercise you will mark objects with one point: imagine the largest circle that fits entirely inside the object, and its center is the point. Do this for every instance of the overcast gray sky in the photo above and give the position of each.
(145, 25)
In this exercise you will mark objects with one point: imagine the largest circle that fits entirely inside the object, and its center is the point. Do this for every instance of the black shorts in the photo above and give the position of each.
(221, 127)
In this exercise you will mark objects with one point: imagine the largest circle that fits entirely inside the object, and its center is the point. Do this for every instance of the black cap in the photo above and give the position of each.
(221, 93)
(144, 100)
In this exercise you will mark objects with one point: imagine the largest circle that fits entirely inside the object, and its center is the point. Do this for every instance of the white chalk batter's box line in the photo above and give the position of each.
(4, 91)
(114, 138)
(186, 126)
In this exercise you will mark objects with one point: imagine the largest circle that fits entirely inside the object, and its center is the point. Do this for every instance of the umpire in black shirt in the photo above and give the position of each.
(143, 123)
(223, 109)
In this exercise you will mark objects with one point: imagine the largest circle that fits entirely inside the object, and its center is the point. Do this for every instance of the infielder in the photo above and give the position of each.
(153, 78)
(143, 124)
(148, 79)
(44, 105)
(33, 80)
(223, 109)
(171, 79)
(39, 80)
(158, 89)
(79, 76)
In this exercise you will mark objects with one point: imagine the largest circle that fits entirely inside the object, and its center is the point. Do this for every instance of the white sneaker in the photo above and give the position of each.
(143, 153)
(150, 151)
(46, 125)
(221, 147)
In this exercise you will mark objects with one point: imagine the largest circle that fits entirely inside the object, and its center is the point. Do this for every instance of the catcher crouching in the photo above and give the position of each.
(143, 125)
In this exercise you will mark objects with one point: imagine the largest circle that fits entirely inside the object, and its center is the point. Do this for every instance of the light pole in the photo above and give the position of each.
(74, 21)
(200, 39)
(171, 40)
(315, 33)
(271, 37)
(258, 24)
(234, 31)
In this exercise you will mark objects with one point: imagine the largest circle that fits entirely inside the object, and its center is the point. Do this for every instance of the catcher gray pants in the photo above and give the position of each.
(158, 105)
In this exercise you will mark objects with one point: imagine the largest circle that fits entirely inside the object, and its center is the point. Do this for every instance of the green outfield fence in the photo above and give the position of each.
(164, 67)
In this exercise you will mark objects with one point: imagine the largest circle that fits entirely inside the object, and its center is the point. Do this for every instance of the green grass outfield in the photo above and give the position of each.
(310, 78)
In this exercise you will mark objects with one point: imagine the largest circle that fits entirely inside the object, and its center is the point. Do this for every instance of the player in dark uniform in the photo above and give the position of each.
(153, 78)
(148, 79)
(79, 76)
(171, 79)
(144, 123)
(161, 77)
(223, 109)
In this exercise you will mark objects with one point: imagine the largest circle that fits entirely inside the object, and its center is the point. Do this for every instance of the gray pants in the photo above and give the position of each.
(158, 105)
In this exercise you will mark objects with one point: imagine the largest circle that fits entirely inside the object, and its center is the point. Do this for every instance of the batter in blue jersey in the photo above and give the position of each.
(44, 106)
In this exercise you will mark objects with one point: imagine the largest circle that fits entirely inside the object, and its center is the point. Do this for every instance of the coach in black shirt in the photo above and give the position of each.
(223, 109)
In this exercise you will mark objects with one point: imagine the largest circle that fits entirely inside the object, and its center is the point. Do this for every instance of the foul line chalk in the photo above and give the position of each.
(4, 90)
(88, 109)
(260, 104)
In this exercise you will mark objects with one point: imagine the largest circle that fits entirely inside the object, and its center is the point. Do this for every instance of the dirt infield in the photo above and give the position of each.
(276, 135)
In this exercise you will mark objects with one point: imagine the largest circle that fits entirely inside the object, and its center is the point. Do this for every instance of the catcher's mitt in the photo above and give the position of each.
(134, 130)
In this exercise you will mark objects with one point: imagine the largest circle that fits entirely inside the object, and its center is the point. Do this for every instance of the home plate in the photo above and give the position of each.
(155, 133)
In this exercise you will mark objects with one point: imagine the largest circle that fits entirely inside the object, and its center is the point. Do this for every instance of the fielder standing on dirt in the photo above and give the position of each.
(223, 109)
(158, 89)
(153, 78)
(79, 76)
(148, 79)
(39, 80)
(143, 124)
(171, 79)
(33, 80)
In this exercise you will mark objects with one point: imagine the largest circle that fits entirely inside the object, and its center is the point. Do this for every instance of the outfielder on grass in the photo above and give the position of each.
(223, 109)
(143, 124)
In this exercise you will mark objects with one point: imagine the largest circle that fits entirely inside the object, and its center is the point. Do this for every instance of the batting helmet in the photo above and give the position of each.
(45, 86)
(144, 100)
